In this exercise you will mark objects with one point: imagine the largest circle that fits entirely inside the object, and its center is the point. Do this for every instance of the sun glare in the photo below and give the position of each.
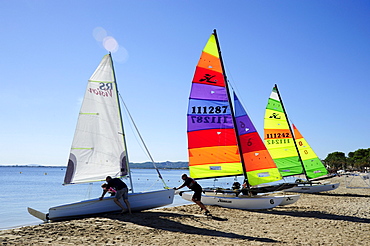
(110, 44)
(99, 34)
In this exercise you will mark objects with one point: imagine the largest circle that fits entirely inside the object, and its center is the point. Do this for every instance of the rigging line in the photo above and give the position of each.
(88, 191)
(234, 87)
(142, 140)
(152, 185)
(230, 104)
(231, 81)
(135, 135)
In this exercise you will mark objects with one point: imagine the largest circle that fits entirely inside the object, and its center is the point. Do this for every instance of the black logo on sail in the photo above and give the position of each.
(207, 78)
(275, 116)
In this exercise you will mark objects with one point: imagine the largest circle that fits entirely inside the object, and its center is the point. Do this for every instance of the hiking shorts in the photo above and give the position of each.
(122, 193)
(197, 195)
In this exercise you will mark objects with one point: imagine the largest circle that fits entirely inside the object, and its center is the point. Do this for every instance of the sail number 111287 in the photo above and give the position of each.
(209, 110)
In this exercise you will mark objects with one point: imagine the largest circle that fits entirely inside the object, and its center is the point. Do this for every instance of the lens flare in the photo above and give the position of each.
(121, 55)
(110, 44)
(99, 34)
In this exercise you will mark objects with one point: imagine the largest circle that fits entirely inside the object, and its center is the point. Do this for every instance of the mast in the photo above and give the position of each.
(290, 129)
(123, 131)
(231, 108)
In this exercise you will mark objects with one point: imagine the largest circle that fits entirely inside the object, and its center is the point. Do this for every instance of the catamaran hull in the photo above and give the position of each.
(138, 202)
(313, 188)
(240, 202)
(287, 198)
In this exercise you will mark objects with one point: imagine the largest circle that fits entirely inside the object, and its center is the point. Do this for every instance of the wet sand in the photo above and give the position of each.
(339, 217)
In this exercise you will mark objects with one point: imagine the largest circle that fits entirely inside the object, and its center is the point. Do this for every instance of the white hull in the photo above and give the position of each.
(313, 188)
(138, 202)
(240, 202)
(287, 198)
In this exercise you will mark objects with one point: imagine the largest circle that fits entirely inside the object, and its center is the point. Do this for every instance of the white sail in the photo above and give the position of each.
(98, 148)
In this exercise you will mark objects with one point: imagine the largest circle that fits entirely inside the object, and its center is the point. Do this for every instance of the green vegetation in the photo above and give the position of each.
(358, 160)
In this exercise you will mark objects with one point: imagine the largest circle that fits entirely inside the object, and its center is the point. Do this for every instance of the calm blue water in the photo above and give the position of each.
(41, 188)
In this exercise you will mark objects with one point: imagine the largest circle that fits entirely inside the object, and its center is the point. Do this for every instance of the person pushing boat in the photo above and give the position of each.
(121, 191)
(194, 186)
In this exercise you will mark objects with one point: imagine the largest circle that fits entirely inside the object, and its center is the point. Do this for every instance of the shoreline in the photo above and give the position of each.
(338, 217)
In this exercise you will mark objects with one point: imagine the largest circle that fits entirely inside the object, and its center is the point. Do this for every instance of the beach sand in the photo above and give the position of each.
(339, 217)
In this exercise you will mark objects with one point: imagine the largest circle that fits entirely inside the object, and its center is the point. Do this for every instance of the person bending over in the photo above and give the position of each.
(121, 191)
(111, 191)
(194, 186)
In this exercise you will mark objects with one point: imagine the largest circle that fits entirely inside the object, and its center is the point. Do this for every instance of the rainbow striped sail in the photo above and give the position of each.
(312, 164)
(290, 151)
(212, 136)
(212, 143)
(279, 138)
(259, 166)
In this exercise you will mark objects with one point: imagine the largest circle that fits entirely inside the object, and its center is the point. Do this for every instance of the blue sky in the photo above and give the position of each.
(318, 52)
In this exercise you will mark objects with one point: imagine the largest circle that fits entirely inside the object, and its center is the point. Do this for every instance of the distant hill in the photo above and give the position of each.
(161, 165)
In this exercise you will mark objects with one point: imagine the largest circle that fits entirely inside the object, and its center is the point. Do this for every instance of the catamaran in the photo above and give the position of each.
(290, 151)
(223, 142)
(99, 150)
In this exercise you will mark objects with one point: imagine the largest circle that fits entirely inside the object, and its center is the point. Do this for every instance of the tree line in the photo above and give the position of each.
(358, 160)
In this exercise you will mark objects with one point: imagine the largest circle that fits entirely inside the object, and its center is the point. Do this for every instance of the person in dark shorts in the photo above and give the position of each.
(121, 191)
(194, 186)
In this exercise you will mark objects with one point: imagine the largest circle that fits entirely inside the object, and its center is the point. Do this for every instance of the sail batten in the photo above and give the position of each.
(100, 81)
(98, 128)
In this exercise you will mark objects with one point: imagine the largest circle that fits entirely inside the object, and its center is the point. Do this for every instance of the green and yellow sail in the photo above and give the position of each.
(290, 151)
(279, 139)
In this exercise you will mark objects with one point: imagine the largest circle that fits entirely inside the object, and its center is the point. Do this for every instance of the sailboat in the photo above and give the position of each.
(222, 142)
(99, 150)
(290, 151)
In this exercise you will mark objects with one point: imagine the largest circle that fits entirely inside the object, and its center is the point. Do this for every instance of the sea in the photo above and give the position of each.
(40, 188)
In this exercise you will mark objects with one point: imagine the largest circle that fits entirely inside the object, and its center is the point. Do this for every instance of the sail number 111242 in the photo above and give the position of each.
(278, 135)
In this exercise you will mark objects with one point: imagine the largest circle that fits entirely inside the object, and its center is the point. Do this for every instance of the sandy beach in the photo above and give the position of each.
(339, 217)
